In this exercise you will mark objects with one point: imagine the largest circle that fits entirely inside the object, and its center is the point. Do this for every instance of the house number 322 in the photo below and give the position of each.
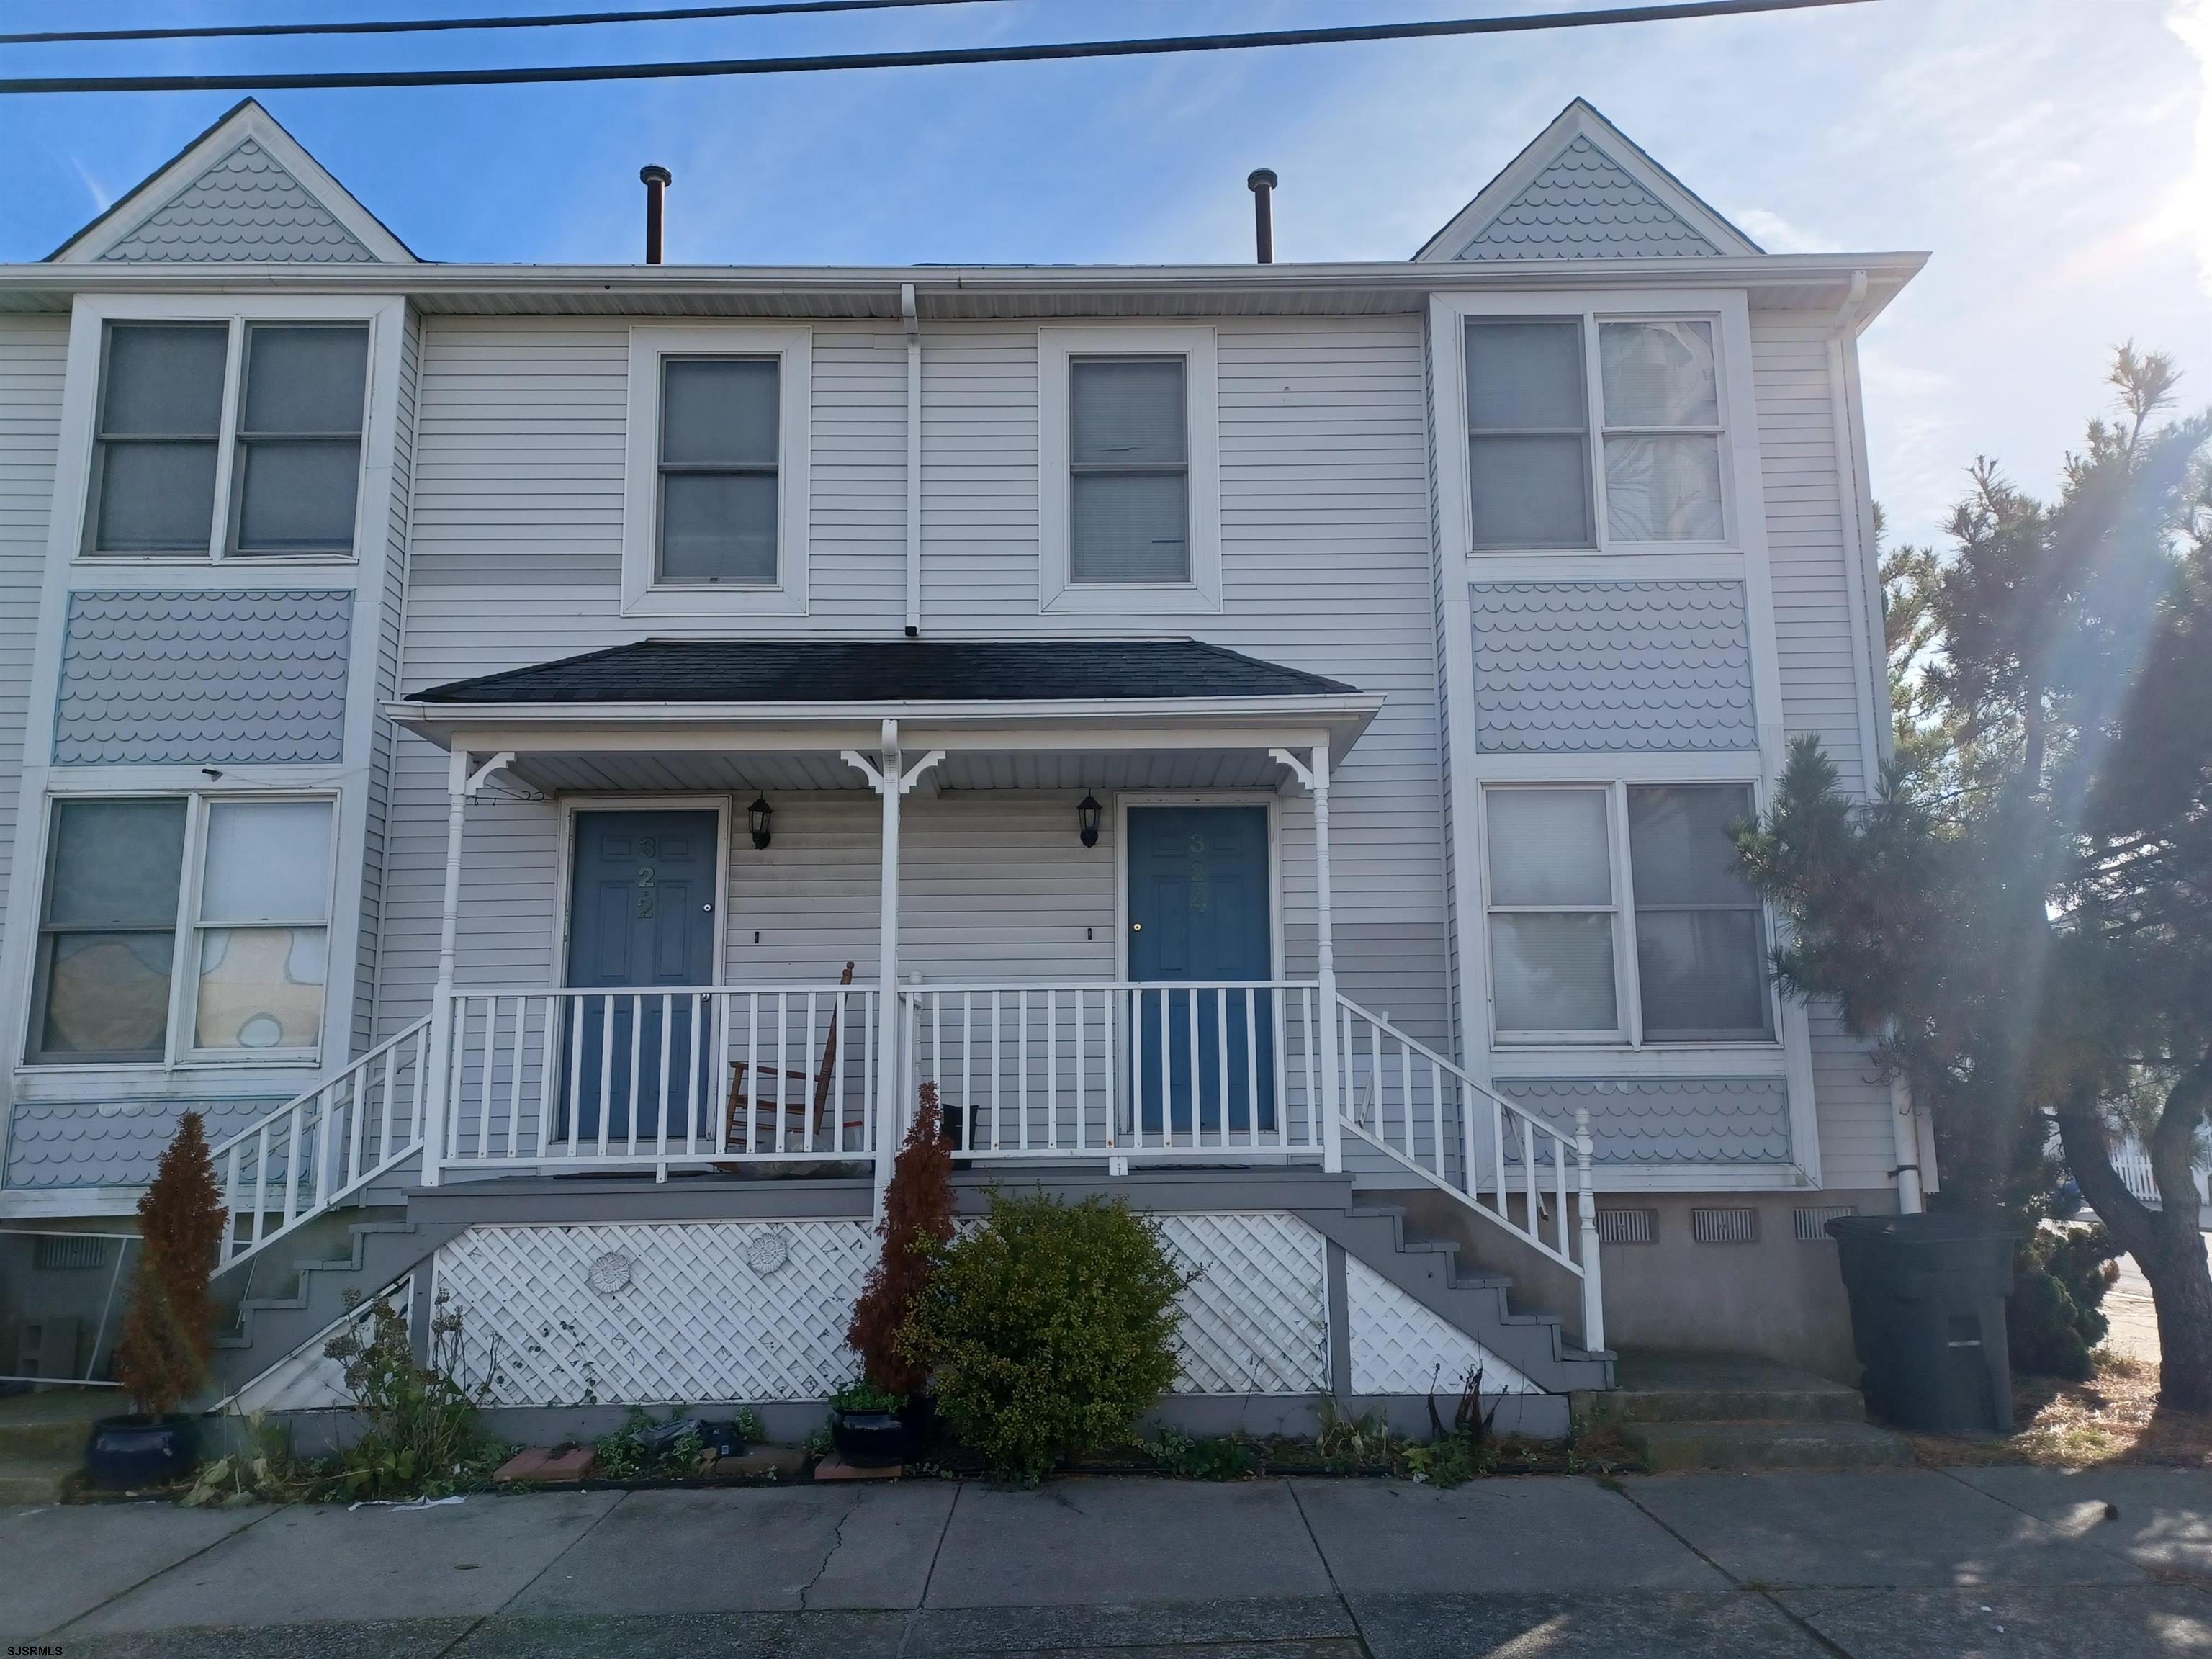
(645, 878)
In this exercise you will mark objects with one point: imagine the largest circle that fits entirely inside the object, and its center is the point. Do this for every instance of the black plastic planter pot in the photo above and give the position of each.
(128, 1452)
(869, 1440)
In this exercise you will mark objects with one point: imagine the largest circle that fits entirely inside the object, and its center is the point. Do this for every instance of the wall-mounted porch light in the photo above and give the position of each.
(756, 817)
(1086, 815)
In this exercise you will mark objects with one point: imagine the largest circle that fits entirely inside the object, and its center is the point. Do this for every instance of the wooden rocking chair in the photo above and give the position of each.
(751, 1119)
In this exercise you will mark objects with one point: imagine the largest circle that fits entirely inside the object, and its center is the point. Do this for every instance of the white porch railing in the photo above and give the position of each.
(320, 1148)
(614, 1079)
(1500, 1160)
(1181, 1071)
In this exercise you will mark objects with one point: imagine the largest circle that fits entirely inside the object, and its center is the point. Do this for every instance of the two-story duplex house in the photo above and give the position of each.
(549, 759)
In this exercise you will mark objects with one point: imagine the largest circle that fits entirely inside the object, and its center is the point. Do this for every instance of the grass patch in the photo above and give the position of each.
(2112, 1418)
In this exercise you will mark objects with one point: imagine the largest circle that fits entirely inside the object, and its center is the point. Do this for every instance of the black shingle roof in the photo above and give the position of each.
(891, 671)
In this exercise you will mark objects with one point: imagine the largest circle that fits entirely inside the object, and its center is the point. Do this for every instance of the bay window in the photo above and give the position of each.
(182, 927)
(162, 447)
(1567, 911)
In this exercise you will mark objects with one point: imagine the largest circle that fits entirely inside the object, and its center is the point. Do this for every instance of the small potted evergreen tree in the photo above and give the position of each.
(877, 1418)
(161, 1358)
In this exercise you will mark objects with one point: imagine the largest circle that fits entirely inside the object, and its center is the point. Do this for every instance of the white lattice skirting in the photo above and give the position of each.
(648, 1313)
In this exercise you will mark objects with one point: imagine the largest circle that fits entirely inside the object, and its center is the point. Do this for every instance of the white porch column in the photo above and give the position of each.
(1313, 774)
(1332, 1125)
(891, 779)
(439, 1058)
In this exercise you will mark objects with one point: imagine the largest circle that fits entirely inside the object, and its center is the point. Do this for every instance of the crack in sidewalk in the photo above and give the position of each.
(1765, 1592)
(836, 1543)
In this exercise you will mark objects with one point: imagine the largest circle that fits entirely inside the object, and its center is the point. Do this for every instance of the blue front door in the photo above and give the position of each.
(640, 914)
(1198, 911)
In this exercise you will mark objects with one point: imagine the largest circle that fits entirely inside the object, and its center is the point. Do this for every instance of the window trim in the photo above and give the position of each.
(643, 594)
(1726, 309)
(1199, 349)
(179, 1053)
(1628, 992)
(223, 550)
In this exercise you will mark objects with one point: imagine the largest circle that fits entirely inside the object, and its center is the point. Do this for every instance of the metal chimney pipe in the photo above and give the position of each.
(656, 179)
(1261, 184)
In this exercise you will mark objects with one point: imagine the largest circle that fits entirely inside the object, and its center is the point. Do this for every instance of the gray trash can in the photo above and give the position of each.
(1928, 1319)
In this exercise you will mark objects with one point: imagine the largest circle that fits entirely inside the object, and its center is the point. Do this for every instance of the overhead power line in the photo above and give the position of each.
(433, 25)
(937, 58)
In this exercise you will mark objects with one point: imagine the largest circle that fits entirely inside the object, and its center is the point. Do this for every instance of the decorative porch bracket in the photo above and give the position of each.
(1314, 775)
(892, 779)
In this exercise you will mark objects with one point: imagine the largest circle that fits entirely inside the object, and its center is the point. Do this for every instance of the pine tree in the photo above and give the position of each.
(2023, 914)
(168, 1341)
(917, 1221)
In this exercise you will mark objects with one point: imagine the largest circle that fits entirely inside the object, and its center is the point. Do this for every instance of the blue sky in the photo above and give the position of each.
(2056, 156)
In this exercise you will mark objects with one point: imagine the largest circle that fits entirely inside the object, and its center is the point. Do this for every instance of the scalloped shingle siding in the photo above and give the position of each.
(1606, 667)
(81, 1143)
(234, 676)
(1705, 1121)
(248, 207)
(1583, 206)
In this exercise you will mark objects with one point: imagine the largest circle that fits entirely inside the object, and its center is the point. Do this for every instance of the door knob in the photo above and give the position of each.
(1136, 926)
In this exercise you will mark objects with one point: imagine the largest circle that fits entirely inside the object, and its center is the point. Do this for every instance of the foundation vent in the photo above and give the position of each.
(52, 1254)
(1627, 1226)
(1729, 1226)
(1812, 1220)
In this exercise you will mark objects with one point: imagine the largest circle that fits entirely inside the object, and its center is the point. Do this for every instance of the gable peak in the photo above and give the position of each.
(1582, 189)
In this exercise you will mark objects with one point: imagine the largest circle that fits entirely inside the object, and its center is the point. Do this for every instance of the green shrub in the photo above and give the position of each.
(1204, 1457)
(422, 1427)
(2053, 1319)
(1050, 1329)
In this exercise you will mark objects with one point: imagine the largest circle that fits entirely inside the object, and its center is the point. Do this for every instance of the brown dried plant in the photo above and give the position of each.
(168, 1341)
(917, 1223)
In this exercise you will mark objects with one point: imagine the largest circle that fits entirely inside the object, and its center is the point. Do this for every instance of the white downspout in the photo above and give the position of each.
(909, 311)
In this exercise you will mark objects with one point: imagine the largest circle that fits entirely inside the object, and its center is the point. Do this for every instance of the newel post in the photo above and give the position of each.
(1593, 1277)
(438, 1062)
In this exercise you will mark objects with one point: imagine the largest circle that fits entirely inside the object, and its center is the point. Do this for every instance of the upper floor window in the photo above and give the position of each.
(238, 440)
(1562, 904)
(1542, 474)
(1129, 471)
(1128, 467)
(182, 927)
(716, 518)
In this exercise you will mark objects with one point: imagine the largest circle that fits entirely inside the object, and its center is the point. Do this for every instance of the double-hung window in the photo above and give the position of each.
(716, 512)
(719, 463)
(1561, 459)
(1566, 911)
(277, 477)
(1128, 469)
(182, 927)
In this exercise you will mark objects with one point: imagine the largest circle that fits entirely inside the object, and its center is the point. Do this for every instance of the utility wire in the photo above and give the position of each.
(1052, 52)
(430, 25)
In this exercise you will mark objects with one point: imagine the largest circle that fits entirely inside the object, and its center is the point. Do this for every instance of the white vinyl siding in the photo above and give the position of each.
(33, 351)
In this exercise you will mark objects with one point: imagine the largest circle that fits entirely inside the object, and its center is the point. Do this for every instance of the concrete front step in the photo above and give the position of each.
(1683, 1388)
(1675, 1446)
(40, 1480)
(53, 1422)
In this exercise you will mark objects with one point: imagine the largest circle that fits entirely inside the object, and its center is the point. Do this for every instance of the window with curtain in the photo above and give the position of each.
(1528, 426)
(251, 954)
(1662, 432)
(295, 450)
(263, 944)
(1700, 932)
(718, 472)
(298, 468)
(1551, 913)
(1129, 471)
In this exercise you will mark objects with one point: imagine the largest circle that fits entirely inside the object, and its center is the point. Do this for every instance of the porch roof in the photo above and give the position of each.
(872, 672)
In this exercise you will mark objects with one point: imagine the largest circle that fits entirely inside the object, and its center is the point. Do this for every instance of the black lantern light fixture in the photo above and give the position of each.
(756, 817)
(1086, 815)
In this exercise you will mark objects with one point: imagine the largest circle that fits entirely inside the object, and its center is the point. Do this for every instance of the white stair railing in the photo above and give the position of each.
(1426, 1113)
(320, 1148)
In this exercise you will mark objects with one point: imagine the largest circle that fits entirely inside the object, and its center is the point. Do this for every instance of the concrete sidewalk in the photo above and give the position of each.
(2011, 1561)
